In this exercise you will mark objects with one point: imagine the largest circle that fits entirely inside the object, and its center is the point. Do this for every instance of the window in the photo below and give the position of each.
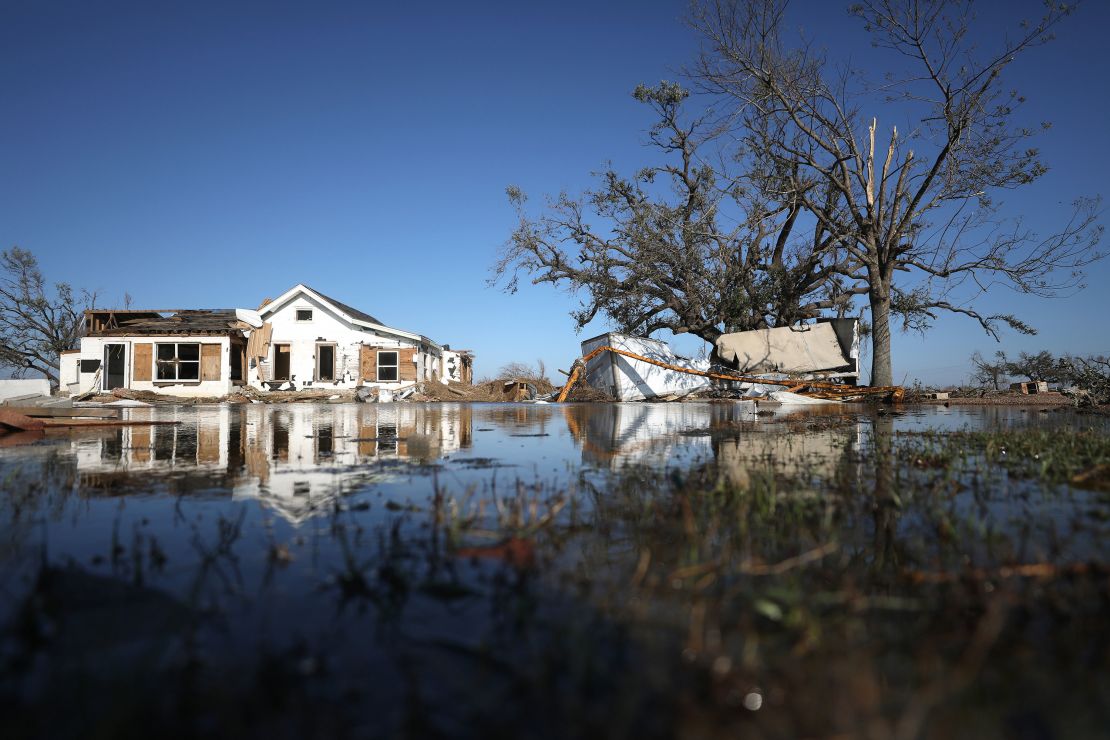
(304, 314)
(387, 367)
(178, 361)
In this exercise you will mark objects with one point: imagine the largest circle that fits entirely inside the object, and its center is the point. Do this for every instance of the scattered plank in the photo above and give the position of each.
(50, 411)
(16, 420)
(25, 423)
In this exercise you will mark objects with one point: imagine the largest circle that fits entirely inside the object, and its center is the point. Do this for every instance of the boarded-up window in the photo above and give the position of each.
(408, 363)
(210, 364)
(208, 444)
(144, 361)
(140, 439)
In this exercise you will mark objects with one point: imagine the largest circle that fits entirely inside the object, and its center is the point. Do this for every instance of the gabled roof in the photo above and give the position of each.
(353, 314)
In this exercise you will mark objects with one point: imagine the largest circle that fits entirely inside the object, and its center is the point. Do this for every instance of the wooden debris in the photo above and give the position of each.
(48, 411)
(22, 422)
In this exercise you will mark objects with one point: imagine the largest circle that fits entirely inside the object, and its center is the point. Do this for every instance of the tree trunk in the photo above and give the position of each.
(881, 371)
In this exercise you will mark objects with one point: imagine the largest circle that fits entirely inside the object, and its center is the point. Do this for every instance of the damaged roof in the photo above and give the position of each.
(192, 321)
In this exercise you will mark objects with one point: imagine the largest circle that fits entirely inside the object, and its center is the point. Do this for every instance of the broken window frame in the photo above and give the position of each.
(175, 363)
(395, 365)
(302, 319)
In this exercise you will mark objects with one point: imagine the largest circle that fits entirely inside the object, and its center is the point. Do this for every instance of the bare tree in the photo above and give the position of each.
(523, 371)
(915, 211)
(36, 327)
(988, 373)
(682, 245)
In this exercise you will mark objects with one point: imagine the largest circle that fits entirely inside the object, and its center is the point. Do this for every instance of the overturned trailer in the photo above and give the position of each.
(826, 350)
(629, 379)
(640, 368)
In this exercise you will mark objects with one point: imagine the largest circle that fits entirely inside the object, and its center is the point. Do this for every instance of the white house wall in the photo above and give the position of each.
(92, 348)
(327, 327)
(452, 366)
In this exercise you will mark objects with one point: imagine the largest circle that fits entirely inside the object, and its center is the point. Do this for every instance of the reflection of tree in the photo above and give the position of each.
(884, 495)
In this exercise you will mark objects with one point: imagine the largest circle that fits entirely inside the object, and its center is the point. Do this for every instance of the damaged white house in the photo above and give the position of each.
(302, 339)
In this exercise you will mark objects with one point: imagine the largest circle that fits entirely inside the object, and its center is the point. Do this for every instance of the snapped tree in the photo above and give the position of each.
(36, 326)
(684, 244)
(915, 212)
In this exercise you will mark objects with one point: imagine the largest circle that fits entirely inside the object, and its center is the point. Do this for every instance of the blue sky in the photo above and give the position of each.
(213, 154)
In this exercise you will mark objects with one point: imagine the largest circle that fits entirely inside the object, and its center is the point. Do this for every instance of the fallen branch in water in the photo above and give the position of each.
(1031, 570)
(760, 569)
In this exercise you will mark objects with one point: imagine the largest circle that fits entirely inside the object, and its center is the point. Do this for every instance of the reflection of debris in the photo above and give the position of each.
(14, 420)
(797, 399)
(515, 551)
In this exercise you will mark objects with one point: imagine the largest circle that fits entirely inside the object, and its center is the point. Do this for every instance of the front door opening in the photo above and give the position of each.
(325, 362)
(238, 363)
(281, 362)
(115, 366)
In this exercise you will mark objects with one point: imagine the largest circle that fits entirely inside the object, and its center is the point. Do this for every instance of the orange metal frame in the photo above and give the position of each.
(820, 388)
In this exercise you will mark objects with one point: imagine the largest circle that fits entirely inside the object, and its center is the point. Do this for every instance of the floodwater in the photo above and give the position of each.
(689, 569)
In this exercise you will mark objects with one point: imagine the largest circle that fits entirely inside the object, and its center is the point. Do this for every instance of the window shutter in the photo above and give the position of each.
(368, 363)
(144, 361)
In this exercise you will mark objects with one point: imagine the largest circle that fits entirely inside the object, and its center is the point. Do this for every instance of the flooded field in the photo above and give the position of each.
(617, 570)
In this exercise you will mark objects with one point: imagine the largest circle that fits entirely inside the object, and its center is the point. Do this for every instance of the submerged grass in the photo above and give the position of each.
(837, 580)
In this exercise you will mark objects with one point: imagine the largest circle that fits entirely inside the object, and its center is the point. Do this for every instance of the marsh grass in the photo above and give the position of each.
(873, 585)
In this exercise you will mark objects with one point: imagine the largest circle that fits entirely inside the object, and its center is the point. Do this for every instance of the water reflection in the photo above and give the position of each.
(381, 559)
(296, 459)
(300, 459)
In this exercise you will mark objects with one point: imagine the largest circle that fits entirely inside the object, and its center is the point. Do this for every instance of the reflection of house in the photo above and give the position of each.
(302, 339)
(296, 459)
(303, 458)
